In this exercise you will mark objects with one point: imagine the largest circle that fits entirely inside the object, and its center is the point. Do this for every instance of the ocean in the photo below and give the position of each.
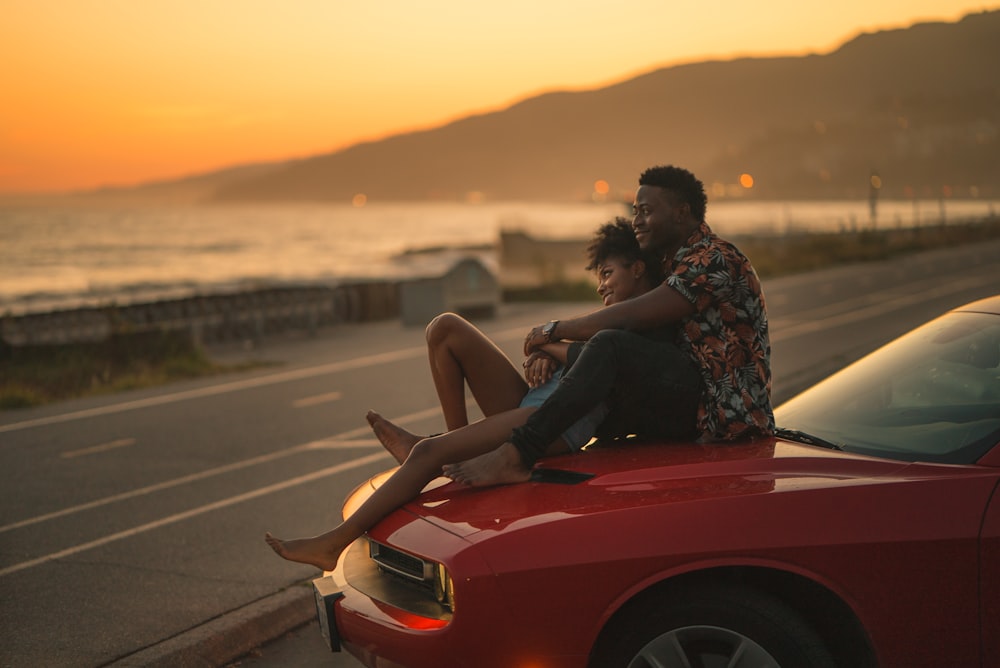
(55, 257)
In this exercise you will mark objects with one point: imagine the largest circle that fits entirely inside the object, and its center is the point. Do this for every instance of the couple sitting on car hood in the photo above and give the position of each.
(676, 358)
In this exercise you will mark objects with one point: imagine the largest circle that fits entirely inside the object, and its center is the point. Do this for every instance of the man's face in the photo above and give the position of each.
(657, 221)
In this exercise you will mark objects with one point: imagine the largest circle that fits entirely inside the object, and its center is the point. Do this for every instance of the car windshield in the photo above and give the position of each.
(932, 395)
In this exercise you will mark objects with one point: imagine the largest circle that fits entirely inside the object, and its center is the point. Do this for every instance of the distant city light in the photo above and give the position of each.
(601, 190)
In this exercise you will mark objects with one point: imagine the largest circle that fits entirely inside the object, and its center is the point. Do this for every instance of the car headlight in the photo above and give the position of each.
(430, 575)
(444, 589)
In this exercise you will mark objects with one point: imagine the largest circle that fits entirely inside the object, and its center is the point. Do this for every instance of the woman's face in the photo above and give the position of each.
(618, 281)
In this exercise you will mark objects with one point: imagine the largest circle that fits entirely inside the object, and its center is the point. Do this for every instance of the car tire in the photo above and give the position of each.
(708, 626)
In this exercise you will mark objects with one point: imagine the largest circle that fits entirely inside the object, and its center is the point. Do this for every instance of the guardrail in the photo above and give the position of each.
(210, 318)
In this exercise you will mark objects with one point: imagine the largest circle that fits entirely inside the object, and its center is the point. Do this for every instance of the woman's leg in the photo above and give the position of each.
(459, 353)
(423, 464)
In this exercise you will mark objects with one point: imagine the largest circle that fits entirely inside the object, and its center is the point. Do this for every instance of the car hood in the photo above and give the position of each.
(631, 474)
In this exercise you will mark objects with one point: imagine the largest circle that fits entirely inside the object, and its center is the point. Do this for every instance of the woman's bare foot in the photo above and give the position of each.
(502, 466)
(395, 439)
(313, 551)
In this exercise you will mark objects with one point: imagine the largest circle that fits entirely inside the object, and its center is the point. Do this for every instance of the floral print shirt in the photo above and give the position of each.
(727, 335)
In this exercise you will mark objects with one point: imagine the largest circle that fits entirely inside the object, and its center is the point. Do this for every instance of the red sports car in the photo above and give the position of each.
(866, 534)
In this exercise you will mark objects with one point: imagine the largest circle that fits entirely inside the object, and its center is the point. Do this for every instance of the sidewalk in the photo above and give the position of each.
(231, 636)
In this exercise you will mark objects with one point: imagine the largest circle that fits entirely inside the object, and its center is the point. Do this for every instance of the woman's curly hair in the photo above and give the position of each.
(616, 239)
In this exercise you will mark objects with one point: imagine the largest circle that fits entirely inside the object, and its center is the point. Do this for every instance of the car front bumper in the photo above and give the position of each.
(327, 593)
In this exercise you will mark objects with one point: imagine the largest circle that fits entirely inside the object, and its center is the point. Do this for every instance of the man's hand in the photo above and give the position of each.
(538, 368)
(535, 339)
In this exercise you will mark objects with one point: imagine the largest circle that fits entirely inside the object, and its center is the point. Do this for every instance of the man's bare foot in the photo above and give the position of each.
(395, 439)
(313, 551)
(502, 466)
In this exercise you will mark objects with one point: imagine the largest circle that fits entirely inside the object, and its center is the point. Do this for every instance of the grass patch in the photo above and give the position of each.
(781, 255)
(775, 255)
(35, 375)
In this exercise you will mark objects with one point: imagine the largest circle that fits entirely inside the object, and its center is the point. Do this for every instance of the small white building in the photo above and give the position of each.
(463, 285)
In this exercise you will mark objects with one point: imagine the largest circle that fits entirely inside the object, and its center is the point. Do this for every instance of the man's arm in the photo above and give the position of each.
(660, 306)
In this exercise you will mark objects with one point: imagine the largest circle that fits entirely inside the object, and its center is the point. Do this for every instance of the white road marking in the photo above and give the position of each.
(235, 386)
(194, 512)
(340, 441)
(332, 444)
(306, 402)
(260, 381)
(167, 484)
(880, 307)
(103, 447)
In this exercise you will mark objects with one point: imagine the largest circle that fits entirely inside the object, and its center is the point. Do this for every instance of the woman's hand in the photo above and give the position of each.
(539, 368)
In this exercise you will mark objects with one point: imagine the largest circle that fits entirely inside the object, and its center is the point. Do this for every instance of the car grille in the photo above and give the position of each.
(400, 562)
(380, 583)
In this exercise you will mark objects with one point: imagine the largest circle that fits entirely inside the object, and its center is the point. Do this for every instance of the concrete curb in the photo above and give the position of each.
(231, 636)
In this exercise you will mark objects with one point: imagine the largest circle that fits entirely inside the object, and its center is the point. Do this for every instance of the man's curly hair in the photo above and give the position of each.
(616, 239)
(682, 183)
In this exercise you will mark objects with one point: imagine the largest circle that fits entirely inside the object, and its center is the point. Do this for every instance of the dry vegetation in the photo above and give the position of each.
(780, 255)
(34, 375)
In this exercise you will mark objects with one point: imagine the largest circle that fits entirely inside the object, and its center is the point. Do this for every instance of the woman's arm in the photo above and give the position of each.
(556, 350)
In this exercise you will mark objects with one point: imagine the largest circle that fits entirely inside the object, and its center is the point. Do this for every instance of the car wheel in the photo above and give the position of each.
(734, 627)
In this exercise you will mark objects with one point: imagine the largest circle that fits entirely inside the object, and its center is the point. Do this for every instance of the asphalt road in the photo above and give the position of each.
(131, 524)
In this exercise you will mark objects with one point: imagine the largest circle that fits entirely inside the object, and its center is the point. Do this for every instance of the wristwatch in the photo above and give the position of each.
(548, 329)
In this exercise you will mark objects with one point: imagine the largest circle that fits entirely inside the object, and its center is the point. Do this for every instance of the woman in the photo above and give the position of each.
(460, 353)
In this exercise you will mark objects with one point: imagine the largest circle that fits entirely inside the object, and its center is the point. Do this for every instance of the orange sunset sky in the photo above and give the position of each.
(119, 92)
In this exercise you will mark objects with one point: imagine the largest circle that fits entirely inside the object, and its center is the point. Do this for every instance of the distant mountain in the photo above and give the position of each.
(918, 106)
(194, 189)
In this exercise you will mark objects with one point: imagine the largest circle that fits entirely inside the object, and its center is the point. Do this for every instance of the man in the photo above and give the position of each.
(710, 381)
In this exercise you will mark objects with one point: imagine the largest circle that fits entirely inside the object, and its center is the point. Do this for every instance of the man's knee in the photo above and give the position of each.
(610, 341)
(442, 326)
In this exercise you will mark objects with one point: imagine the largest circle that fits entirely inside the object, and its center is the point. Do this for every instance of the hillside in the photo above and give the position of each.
(920, 106)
